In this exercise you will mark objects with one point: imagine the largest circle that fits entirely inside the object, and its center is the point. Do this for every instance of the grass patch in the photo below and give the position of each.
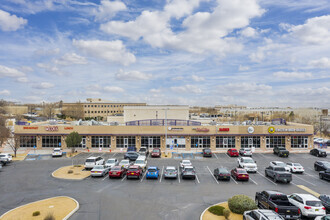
(70, 171)
(36, 213)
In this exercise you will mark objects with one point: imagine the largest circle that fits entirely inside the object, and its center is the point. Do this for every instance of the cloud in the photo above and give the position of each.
(154, 90)
(132, 75)
(114, 89)
(108, 9)
(70, 59)
(44, 85)
(10, 72)
(243, 68)
(324, 62)
(249, 32)
(245, 89)
(177, 78)
(186, 89)
(112, 51)
(197, 78)
(5, 92)
(10, 22)
(292, 75)
(50, 68)
(264, 51)
(50, 52)
(22, 80)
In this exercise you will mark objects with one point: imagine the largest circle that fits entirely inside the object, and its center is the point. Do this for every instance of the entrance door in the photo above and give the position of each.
(83, 142)
(200, 142)
(250, 142)
(150, 142)
(125, 142)
(100, 142)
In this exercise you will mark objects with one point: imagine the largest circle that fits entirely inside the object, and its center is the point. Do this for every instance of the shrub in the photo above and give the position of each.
(36, 213)
(216, 210)
(70, 171)
(77, 165)
(226, 213)
(240, 203)
(49, 216)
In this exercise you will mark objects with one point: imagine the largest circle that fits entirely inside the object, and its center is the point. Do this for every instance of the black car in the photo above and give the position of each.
(325, 199)
(131, 155)
(281, 151)
(221, 174)
(325, 175)
(207, 152)
(321, 165)
(318, 152)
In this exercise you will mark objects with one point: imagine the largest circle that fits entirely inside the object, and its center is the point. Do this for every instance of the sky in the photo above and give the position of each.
(255, 53)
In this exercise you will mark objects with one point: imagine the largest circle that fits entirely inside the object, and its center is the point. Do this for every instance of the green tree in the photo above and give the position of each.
(72, 140)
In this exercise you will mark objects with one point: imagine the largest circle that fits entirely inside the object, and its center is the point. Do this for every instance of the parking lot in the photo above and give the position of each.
(104, 198)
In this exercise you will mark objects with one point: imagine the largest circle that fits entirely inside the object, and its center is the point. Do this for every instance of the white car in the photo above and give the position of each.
(248, 164)
(245, 152)
(125, 163)
(111, 162)
(5, 157)
(57, 152)
(91, 162)
(319, 140)
(325, 217)
(295, 167)
(141, 161)
(279, 164)
(309, 205)
(184, 163)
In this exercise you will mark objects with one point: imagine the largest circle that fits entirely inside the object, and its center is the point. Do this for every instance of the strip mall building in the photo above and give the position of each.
(181, 134)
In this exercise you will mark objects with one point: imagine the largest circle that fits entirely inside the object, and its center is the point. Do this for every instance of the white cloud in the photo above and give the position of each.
(178, 78)
(132, 75)
(22, 80)
(10, 22)
(264, 51)
(197, 78)
(324, 62)
(114, 89)
(249, 32)
(50, 68)
(108, 9)
(44, 85)
(10, 72)
(112, 51)
(155, 90)
(186, 89)
(26, 69)
(243, 68)
(49, 52)
(245, 89)
(70, 59)
(5, 92)
(292, 75)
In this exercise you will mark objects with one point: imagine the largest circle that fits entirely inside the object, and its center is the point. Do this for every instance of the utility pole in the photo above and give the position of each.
(166, 130)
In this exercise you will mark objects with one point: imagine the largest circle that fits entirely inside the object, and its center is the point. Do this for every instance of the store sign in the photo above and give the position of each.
(68, 128)
(250, 130)
(290, 129)
(175, 129)
(202, 129)
(51, 128)
(30, 128)
(271, 130)
(223, 129)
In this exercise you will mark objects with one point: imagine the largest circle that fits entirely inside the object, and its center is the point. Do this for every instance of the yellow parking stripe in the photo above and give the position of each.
(309, 190)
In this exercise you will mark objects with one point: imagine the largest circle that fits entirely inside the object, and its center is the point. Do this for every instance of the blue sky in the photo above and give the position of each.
(194, 52)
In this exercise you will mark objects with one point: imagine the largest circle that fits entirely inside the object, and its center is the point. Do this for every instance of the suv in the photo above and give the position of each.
(245, 152)
(131, 155)
(141, 161)
(57, 152)
(6, 158)
(281, 151)
(248, 164)
(156, 152)
(134, 172)
(188, 172)
(207, 152)
(144, 151)
(261, 214)
(91, 162)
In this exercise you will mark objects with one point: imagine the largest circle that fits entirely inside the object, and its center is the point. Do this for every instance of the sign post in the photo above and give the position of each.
(34, 147)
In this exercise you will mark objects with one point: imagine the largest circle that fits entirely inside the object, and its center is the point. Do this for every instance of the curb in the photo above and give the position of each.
(201, 217)
(65, 178)
(66, 217)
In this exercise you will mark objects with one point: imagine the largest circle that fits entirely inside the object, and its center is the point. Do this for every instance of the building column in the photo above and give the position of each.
(63, 143)
(213, 141)
(238, 142)
(137, 142)
(39, 142)
(162, 143)
(89, 141)
(310, 142)
(263, 143)
(188, 142)
(113, 142)
(288, 142)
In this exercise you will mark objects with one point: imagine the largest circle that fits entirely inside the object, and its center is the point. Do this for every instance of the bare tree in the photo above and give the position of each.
(16, 141)
(4, 131)
(75, 111)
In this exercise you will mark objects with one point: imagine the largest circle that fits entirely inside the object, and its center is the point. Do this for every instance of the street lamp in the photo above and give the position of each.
(165, 125)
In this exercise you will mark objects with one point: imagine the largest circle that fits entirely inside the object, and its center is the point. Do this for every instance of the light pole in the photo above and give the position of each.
(165, 124)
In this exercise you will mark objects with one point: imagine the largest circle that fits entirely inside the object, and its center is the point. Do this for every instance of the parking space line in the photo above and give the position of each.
(304, 180)
(178, 175)
(253, 181)
(233, 179)
(145, 173)
(212, 175)
(227, 155)
(309, 190)
(161, 176)
(267, 178)
(315, 177)
(216, 156)
(106, 176)
(124, 178)
(197, 178)
(114, 155)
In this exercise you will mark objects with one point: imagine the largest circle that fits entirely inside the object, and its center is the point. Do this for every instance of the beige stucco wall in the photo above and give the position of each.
(17, 109)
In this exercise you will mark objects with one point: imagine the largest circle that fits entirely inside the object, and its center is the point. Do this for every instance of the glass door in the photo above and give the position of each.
(125, 142)
(150, 142)
(200, 142)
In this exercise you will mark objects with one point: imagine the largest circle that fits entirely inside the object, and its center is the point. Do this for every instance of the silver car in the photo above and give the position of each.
(111, 162)
(245, 152)
(170, 172)
(125, 163)
(100, 170)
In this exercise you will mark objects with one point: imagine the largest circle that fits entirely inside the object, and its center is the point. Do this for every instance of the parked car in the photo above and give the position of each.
(207, 152)
(278, 173)
(0, 166)
(318, 140)
(221, 173)
(239, 174)
(188, 172)
(280, 151)
(134, 171)
(184, 163)
(309, 205)
(280, 164)
(99, 170)
(295, 167)
(277, 202)
(245, 152)
(248, 164)
(325, 174)
(57, 152)
(144, 151)
(261, 214)
(6, 157)
(232, 152)
(117, 171)
(152, 173)
(325, 217)
(141, 161)
(125, 163)
(112, 162)
(318, 152)
(131, 149)
(156, 152)
(321, 165)
(170, 172)
(131, 155)
(325, 199)
(91, 162)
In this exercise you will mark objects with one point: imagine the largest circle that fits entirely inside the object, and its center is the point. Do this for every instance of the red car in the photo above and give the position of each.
(134, 171)
(117, 171)
(232, 152)
(156, 152)
(239, 174)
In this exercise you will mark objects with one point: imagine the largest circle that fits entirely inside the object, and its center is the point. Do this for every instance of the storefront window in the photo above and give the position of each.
(225, 142)
(150, 141)
(176, 142)
(101, 141)
(299, 142)
(250, 141)
(28, 141)
(125, 141)
(51, 141)
(200, 142)
(275, 141)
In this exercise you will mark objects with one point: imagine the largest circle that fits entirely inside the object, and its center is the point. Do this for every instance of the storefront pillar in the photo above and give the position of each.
(213, 143)
(238, 142)
(137, 142)
(288, 142)
(63, 143)
(88, 141)
(310, 142)
(113, 142)
(39, 142)
(188, 142)
(162, 143)
(262, 143)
